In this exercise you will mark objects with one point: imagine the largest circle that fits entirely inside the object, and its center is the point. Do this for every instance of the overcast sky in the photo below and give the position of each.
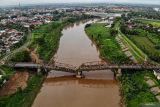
(15, 2)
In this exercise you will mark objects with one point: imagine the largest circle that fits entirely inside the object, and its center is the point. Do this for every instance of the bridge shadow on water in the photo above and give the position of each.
(59, 78)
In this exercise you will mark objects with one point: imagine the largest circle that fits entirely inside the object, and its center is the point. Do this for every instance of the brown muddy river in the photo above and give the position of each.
(97, 89)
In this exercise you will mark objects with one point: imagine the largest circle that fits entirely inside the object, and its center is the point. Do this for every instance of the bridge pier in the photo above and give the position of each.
(118, 73)
(38, 71)
(79, 74)
(45, 70)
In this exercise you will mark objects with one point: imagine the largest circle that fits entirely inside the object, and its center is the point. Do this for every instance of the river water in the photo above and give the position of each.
(97, 89)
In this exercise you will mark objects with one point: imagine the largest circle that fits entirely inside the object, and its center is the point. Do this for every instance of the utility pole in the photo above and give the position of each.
(19, 7)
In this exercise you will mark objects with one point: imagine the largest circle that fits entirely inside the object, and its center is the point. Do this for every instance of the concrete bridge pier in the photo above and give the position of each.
(119, 73)
(45, 70)
(79, 74)
(39, 70)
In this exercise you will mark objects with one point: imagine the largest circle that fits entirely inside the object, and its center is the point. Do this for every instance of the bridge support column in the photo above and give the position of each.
(79, 74)
(38, 71)
(119, 73)
(45, 70)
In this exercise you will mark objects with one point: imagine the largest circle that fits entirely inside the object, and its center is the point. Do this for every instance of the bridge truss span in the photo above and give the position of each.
(89, 66)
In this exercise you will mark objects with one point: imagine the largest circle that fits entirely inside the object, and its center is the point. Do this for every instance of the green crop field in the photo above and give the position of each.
(147, 46)
(155, 23)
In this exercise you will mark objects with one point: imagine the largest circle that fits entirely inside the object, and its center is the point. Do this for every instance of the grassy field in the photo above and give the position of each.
(107, 44)
(154, 38)
(147, 46)
(136, 52)
(155, 23)
(144, 42)
(134, 88)
(23, 98)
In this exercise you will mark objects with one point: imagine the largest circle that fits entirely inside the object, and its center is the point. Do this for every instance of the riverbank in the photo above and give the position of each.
(20, 88)
(110, 50)
(60, 88)
(44, 42)
(135, 91)
(24, 98)
(45, 39)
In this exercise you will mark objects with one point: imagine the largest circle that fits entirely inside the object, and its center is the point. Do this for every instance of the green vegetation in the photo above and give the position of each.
(46, 39)
(146, 39)
(23, 98)
(134, 50)
(138, 54)
(154, 38)
(6, 72)
(147, 46)
(150, 105)
(108, 46)
(155, 23)
(21, 56)
(134, 88)
(146, 13)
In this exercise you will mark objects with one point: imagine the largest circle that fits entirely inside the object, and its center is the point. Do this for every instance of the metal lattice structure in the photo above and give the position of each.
(89, 66)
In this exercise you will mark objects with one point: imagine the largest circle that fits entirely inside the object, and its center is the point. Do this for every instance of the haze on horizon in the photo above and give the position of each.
(24, 2)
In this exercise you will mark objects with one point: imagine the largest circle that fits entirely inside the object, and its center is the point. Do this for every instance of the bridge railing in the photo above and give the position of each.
(63, 65)
(94, 63)
(102, 65)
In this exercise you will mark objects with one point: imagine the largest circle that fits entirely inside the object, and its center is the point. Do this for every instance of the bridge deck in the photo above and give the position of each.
(83, 67)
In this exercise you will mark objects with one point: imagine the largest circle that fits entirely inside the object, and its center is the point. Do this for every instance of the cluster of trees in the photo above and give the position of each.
(113, 32)
(145, 14)
(88, 25)
(146, 26)
(46, 39)
(154, 56)
(124, 28)
(22, 56)
(157, 47)
(74, 18)
(136, 31)
(139, 29)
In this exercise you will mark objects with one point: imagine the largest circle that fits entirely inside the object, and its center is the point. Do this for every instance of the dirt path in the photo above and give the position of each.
(34, 56)
(16, 82)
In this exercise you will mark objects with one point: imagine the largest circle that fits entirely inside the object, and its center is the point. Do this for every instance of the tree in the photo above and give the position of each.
(113, 32)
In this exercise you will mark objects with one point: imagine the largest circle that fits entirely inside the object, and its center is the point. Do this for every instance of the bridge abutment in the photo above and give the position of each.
(79, 74)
